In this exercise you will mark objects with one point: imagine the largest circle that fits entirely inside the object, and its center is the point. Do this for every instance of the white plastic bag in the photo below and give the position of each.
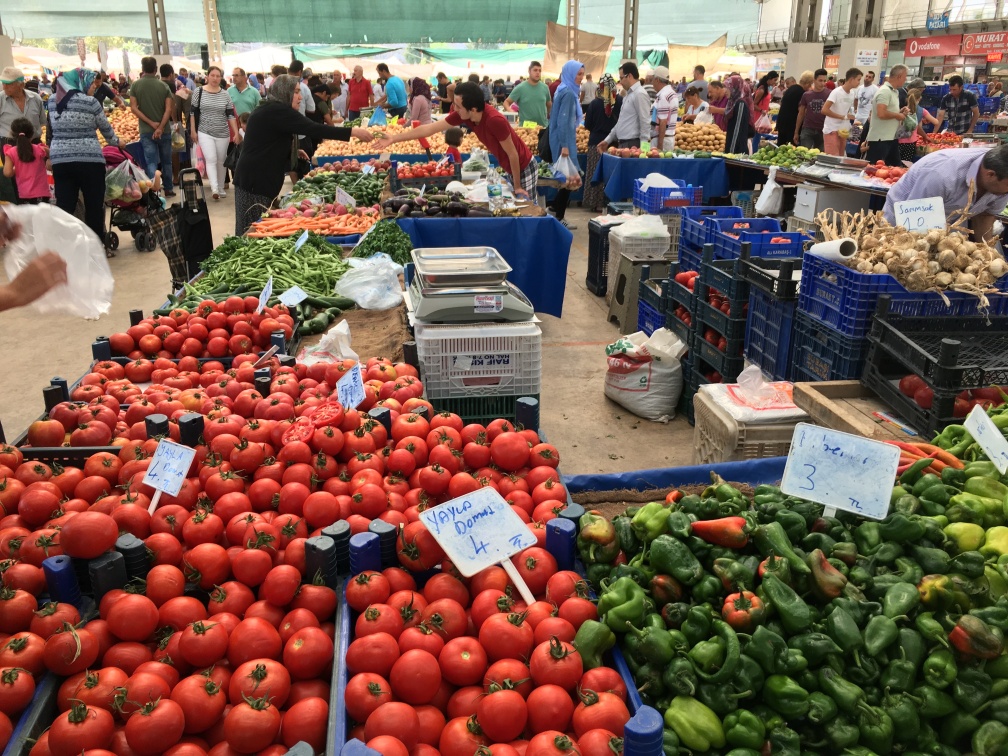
(772, 197)
(754, 399)
(88, 290)
(332, 347)
(566, 168)
(703, 117)
(642, 227)
(373, 282)
(645, 375)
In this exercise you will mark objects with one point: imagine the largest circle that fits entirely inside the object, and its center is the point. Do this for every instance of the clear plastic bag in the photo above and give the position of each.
(478, 161)
(88, 290)
(703, 117)
(178, 141)
(566, 168)
(373, 282)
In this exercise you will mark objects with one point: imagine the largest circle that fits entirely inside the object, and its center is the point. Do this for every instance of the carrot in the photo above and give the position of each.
(940, 454)
(907, 448)
(938, 466)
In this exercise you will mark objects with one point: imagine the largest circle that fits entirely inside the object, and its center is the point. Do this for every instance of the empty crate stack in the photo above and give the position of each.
(773, 298)
(597, 278)
(669, 203)
(694, 232)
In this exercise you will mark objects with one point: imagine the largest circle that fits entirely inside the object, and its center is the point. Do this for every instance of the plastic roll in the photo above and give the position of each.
(386, 533)
(573, 512)
(340, 534)
(61, 580)
(643, 733)
(560, 537)
(838, 250)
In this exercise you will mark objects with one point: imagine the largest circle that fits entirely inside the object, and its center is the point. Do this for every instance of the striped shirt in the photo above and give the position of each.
(946, 174)
(215, 109)
(73, 131)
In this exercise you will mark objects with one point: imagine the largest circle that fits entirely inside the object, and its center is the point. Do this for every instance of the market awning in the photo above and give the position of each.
(395, 21)
(321, 52)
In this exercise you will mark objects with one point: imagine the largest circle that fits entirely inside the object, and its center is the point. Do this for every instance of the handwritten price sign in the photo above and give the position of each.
(840, 470)
(478, 530)
(989, 436)
(169, 467)
(350, 389)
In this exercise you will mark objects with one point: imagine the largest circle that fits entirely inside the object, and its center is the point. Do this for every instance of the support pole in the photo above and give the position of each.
(572, 28)
(159, 31)
(630, 12)
(215, 43)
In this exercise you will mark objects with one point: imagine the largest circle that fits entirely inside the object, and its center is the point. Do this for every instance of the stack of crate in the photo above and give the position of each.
(773, 299)
(669, 203)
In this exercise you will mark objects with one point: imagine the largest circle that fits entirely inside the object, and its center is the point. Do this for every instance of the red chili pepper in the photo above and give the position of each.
(971, 636)
(727, 531)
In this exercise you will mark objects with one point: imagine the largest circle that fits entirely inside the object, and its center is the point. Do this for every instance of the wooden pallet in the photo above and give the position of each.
(850, 407)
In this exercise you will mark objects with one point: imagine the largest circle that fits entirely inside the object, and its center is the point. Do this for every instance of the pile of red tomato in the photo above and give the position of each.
(916, 388)
(215, 329)
(270, 472)
(424, 170)
(460, 667)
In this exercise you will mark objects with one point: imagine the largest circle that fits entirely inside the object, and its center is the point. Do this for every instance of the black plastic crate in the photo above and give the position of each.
(824, 353)
(948, 353)
(731, 325)
(690, 257)
(481, 409)
(679, 328)
(729, 362)
(685, 405)
(597, 278)
(772, 275)
(620, 208)
(723, 275)
(883, 378)
(652, 290)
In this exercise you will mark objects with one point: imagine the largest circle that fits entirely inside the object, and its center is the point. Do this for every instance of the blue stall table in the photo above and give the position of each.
(536, 249)
(618, 174)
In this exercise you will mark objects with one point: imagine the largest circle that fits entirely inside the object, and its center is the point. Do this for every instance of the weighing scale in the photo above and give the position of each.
(465, 285)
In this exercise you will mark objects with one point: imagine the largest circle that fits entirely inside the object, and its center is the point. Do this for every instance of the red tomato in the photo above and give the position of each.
(396, 719)
(365, 692)
(88, 535)
(202, 701)
(203, 643)
(549, 706)
(70, 651)
(463, 662)
(551, 743)
(556, 663)
(604, 710)
(536, 566)
(80, 729)
(17, 687)
(507, 636)
(155, 727)
(252, 725)
(308, 653)
(604, 679)
(375, 653)
(415, 677)
(458, 739)
(307, 720)
(254, 638)
(50, 618)
(502, 715)
(133, 618)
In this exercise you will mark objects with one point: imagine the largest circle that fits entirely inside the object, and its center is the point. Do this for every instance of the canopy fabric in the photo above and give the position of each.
(126, 18)
(488, 57)
(593, 50)
(394, 21)
(682, 58)
(258, 60)
(321, 52)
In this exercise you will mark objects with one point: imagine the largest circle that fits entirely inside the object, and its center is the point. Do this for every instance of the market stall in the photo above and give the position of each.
(618, 174)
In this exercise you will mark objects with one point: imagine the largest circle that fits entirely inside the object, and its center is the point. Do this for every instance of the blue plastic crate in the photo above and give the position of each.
(695, 229)
(729, 362)
(821, 351)
(681, 329)
(768, 334)
(936, 90)
(677, 293)
(988, 104)
(689, 258)
(657, 199)
(980, 90)
(649, 319)
(724, 276)
(982, 127)
(758, 235)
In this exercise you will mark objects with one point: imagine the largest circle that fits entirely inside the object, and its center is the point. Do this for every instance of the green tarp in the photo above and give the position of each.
(322, 52)
(347, 22)
(525, 54)
(125, 18)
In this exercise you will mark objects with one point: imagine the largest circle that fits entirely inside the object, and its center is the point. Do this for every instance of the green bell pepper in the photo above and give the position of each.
(772, 539)
(940, 669)
(680, 524)
(785, 696)
(697, 625)
(958, 727)
(675, 614)
(653, 646)
(815, 647)
(670, 556)
(650, 521)
(592, 640)
(596, 540)
(903, 712)
(995, 616)
(708, 589)
(933, 703)
(990, 739)
(735, 574)
(971, 689)
(914, 473)
(621, 602)
(876, 728)
(724, 668)
(841, 627)
(847, 695)
(996, 542)
(679, 677)
(900, 676)
(880, 633)
(696, 726)
(794, 524)
(899, 528)
(842, 733)
(768, 649)
(900, 599)
(822, 708)
(749, 675)
(743, 729)
(670, 743)
(629, 543)
(792, 610)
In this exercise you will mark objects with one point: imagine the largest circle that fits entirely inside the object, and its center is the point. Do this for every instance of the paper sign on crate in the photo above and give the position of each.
(294, 296)
(989, 436)
(479, 530)
(267, 292)
(921, 215)
(840, 471)
(350, 388)
(168, 469)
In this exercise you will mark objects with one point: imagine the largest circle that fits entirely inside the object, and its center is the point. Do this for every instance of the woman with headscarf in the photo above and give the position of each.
(911, 130)
(762, 95)
(738, 117)
(420, 101)
(78, 165)
(270, 148)
(600, 119)
(563, 122)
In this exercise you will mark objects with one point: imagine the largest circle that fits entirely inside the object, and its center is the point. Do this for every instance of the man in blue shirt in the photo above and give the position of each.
(394, 100)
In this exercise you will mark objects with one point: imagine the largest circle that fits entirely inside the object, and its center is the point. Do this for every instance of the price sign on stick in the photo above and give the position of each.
(301, 240)
(294, 296)
(840, 471)
(989, 436)
(345, 199)
(168, 469)
(350, 389)
(367, 169)
(267, 292)
(479, 530)
(920, 215)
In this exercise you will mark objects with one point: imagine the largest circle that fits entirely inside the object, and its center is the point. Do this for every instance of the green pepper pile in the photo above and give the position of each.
(761, 626)
(365, 188)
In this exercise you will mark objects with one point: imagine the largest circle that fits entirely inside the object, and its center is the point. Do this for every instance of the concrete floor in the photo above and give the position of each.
(592, 433)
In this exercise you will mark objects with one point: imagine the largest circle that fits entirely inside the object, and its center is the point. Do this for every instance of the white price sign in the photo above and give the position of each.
(168, 469)
(840, 471)
(267, 292)
(345, 199)
(350, 388)
(921, 215)
(301, 240)
(367, 169)
(989, 436)
(294, 296)
(479, 530)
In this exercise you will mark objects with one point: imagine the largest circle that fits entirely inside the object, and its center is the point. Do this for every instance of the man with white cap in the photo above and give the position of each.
(17, 102)
(666, 110)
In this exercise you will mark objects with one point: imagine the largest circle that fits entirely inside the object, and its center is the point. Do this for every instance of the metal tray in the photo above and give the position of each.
(460, 266)
(838, 160)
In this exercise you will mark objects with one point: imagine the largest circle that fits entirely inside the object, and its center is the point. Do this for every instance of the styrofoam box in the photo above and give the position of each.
(480, 359)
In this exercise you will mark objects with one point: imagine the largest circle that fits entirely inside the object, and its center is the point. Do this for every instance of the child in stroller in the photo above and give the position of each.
(129, 213)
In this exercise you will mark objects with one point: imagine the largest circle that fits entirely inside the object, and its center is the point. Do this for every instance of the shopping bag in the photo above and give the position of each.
(178, 142)
(644, 375)
(763, 125)
(200, 161)
(703, 117)
(231, 161)
(116, 182)
(379, 118)
(772, 196)
(567, 169)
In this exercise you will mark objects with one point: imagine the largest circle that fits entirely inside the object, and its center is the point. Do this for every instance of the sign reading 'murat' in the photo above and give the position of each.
(985, 43)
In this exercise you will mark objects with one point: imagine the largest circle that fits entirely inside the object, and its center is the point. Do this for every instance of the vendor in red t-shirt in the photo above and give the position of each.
(360, 95)
(493, 130)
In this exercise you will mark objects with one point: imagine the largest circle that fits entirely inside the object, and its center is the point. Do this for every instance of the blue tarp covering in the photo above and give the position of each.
(751, 471)
(536, 249)
(618, 174)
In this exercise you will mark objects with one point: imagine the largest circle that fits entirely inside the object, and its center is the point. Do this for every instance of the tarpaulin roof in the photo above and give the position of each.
(344, 22)
(322, 52)
(125, 18)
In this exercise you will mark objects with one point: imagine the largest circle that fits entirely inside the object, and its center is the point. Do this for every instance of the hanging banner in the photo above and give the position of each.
(126, 65)
(102, 55)
(685, 57)
(593, 50)
(938, 20)
(933, 47)
(985, 43)
(81, 49)
(866, 58)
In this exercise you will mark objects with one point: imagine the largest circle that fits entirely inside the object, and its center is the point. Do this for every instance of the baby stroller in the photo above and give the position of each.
(129, 212)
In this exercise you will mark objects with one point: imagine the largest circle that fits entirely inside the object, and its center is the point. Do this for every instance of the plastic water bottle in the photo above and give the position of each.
(495, 191)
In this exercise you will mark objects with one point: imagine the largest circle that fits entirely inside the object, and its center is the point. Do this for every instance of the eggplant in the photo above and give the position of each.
(432, 210)
(417, 214)
(480, 212)
(455, 209)
(420, 202)
(404, 211)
